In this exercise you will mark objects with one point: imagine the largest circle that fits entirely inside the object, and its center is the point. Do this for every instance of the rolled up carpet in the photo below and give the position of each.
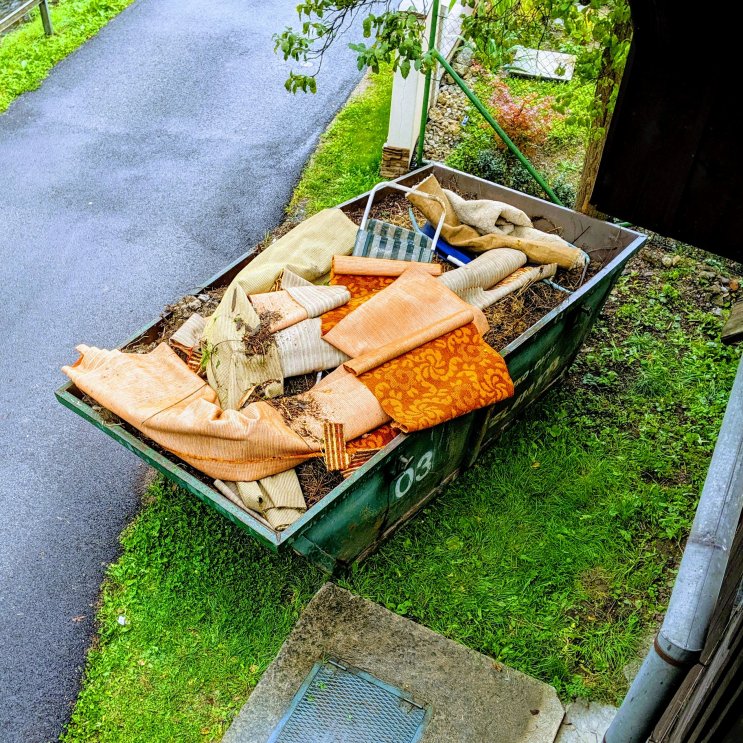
(414, 301)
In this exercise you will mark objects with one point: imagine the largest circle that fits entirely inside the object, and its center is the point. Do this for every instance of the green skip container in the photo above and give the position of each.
(354, 518)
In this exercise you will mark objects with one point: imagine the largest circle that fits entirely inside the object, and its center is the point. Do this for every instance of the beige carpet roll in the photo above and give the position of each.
(188, 336)
(484, 271)
(519, 279)
(287, 307)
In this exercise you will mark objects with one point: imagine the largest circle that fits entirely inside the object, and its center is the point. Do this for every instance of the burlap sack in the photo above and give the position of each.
(494, 217)
(464, 236)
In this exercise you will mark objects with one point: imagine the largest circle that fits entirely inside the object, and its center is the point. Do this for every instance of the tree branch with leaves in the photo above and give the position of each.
(597, 31)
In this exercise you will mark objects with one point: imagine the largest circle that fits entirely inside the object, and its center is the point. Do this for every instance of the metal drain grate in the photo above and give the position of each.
(339, 704)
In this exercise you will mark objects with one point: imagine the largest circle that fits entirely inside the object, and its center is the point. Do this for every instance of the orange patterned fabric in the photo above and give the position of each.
(361, 288)
(374, 440)
(362, 449)
(440, 380)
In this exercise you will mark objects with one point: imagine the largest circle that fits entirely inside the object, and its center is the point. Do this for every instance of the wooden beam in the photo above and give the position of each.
(733, 330)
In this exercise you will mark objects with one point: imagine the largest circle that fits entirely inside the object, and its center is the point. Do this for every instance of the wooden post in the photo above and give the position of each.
(46, 19)
(405, 116)
(405, 113)
(609, 79)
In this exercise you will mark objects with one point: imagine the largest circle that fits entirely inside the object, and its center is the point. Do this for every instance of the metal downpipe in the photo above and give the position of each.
(683, 633)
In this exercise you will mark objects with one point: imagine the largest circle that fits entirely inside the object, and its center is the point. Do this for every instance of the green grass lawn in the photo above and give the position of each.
(555, 553)
(27, 55)
(347, 161)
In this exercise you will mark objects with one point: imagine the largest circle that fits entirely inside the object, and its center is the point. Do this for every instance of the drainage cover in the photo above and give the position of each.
(340, 704)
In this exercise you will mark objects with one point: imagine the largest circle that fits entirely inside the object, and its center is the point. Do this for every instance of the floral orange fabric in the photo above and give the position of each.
(361, 288)
(440, 380)
(362, 449)
(374, 440)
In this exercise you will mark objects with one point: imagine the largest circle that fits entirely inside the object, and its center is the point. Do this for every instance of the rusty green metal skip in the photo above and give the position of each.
(355, 517)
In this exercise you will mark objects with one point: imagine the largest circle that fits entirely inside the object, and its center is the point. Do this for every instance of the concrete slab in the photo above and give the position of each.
(473, 698)
(585, 722)
(542, 63)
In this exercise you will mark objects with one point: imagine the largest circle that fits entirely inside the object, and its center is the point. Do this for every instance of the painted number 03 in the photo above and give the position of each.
(414, 473)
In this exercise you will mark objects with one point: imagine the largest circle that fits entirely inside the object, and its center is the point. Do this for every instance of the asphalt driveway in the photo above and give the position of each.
(150, 158)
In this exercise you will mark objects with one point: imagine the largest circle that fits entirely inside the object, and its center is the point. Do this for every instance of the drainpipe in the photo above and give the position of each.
(679, 643)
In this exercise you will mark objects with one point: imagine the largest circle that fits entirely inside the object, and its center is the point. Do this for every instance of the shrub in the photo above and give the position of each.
(526, 119)
(491, 165)
(503, 167)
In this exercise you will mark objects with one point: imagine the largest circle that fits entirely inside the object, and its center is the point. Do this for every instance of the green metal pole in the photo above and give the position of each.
(427, 89)
(498, 129)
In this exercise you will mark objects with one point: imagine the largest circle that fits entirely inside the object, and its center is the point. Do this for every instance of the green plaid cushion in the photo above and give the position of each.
(384, 240)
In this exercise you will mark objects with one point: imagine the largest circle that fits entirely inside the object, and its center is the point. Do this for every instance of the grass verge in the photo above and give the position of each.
(554, 554)
(27, 55)
(347, 160)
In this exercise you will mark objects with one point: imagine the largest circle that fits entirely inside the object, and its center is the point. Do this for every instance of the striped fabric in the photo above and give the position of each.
(189, 334)
(334, 447)
(187, 340)
(276, 501)
(318, 300)
(302, 349)
(384, 240)
(485, 271)
(358, 459)
(195, 360)
(519, 279)
(290, 280)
